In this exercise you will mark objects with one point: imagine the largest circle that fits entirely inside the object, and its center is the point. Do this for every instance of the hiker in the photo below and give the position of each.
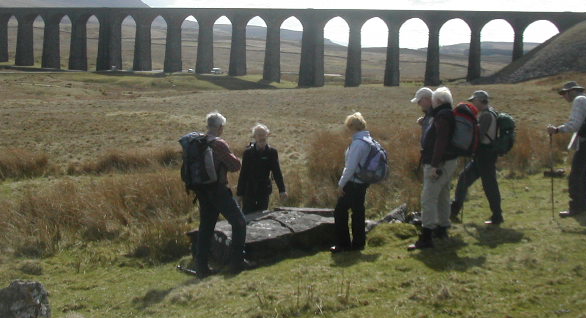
(351, 190)
(423, 99)
(574, 93)
(482, 164)
(439, 164)
(258, 162)
(216, 198)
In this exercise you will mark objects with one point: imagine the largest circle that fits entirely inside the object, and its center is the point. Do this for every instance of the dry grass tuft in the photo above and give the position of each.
(39, 222)
(128, 161)
(20, 163)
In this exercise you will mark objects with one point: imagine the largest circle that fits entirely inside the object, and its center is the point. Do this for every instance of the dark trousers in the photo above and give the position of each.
(212, 202)
(483, 167)
(353, 198)
(251, 204)
(577, 180)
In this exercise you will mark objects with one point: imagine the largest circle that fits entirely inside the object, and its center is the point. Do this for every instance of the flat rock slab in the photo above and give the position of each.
(274, 234)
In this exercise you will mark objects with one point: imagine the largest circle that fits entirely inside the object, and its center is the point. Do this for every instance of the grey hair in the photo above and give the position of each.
(215, 120)
(441, 96)
(260, 126)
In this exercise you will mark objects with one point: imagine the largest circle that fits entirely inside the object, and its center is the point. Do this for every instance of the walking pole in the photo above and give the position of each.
(551, 174)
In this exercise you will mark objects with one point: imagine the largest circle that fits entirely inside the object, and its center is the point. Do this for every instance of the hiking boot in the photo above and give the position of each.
(441, 232)
(204, 271)
(455, 208)
(338, 249)
(424, 241)
(242, 266)
(496, 221)
(565, 214)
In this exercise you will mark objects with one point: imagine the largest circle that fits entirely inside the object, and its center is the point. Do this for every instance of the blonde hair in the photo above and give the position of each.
(355, 121)
(258, 127)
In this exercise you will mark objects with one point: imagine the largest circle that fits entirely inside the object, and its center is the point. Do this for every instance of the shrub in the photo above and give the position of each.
(20, 163)
(128, 161)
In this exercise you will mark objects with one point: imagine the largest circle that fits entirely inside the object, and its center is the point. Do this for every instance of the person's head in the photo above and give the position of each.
(216, 123)
(355, 122)
(479, 99)
(441, 96)
(570, 90)
(423, 99)
(260, 133)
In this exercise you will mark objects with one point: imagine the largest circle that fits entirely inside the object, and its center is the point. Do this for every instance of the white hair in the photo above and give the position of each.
(215, 120)
(440, 96)
(260, 126)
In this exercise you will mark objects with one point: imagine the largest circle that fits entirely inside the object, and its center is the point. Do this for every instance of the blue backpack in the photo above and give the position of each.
(376, 166)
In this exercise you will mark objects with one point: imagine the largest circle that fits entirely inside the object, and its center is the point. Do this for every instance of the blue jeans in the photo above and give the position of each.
(213, 201)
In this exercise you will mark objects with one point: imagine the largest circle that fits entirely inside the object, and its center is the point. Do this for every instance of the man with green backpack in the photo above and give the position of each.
(497, 135)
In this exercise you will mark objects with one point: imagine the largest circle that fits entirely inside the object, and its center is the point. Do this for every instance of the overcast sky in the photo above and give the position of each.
(414, 32)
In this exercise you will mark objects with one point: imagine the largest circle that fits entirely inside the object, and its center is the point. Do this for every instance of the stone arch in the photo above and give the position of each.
(93, 30)
(414, 70)
(540, 31)
(454, 32)
(65, 39)
(158, 42)
(12, 34)
(127, 41)
(336, 32)
(373, 44)
(290, 47)
(256, 37)
(189, 32)
(222, 42)
(497, 45)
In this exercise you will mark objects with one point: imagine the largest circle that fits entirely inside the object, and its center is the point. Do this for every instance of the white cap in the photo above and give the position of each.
(422, 92)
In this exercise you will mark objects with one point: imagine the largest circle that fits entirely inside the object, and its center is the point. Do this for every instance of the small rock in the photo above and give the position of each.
(24, 299)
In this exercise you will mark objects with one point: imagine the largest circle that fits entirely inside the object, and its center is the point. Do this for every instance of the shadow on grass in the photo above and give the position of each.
(444, 257)
(152, 297)
(494, 236)
(351, 258)
(580, 218)
(233, 83)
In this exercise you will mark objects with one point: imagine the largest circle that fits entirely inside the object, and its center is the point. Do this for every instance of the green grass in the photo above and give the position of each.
(532, 266)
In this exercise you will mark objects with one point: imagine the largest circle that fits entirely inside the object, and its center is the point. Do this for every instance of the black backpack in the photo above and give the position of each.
(197, 169)
(505, 133)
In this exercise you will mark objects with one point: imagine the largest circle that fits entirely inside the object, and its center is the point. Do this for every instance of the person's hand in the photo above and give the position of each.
(340, 192)
(420, 121)
(552, 129)
(284, 196)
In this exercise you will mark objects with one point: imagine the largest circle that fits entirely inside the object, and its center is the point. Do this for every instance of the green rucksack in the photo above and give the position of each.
(505, 133)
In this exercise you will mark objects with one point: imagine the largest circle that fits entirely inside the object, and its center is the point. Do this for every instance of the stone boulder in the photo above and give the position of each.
(274, 234)
(24, 299)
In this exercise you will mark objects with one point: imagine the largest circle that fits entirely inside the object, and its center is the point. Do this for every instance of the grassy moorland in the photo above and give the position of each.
(92, 206)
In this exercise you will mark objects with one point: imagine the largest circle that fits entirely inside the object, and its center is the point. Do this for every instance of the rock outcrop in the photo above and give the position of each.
(24, 299)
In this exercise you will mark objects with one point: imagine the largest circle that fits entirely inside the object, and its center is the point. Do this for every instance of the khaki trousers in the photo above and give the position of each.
(435, 196)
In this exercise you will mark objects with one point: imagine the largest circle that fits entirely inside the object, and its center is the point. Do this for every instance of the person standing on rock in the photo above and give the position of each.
(258, 162)
(483, 165)
(352, 191)
(217, 198)
(574, 93)
(439, 164)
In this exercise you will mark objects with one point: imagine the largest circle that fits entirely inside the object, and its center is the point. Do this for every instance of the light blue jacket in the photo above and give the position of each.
(356, 155)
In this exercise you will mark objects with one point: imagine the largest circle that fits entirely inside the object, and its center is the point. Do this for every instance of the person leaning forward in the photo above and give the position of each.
(217, 198)
(483, 165)
(352, 191)
(574, 93)
(258, 162)
(439, 165)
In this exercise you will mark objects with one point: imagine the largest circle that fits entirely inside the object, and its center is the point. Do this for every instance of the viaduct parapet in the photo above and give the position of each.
(311, 69)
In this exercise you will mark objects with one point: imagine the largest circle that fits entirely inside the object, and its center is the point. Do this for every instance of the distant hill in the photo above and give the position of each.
(72, 3)
(488, 48)
(562, 53)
